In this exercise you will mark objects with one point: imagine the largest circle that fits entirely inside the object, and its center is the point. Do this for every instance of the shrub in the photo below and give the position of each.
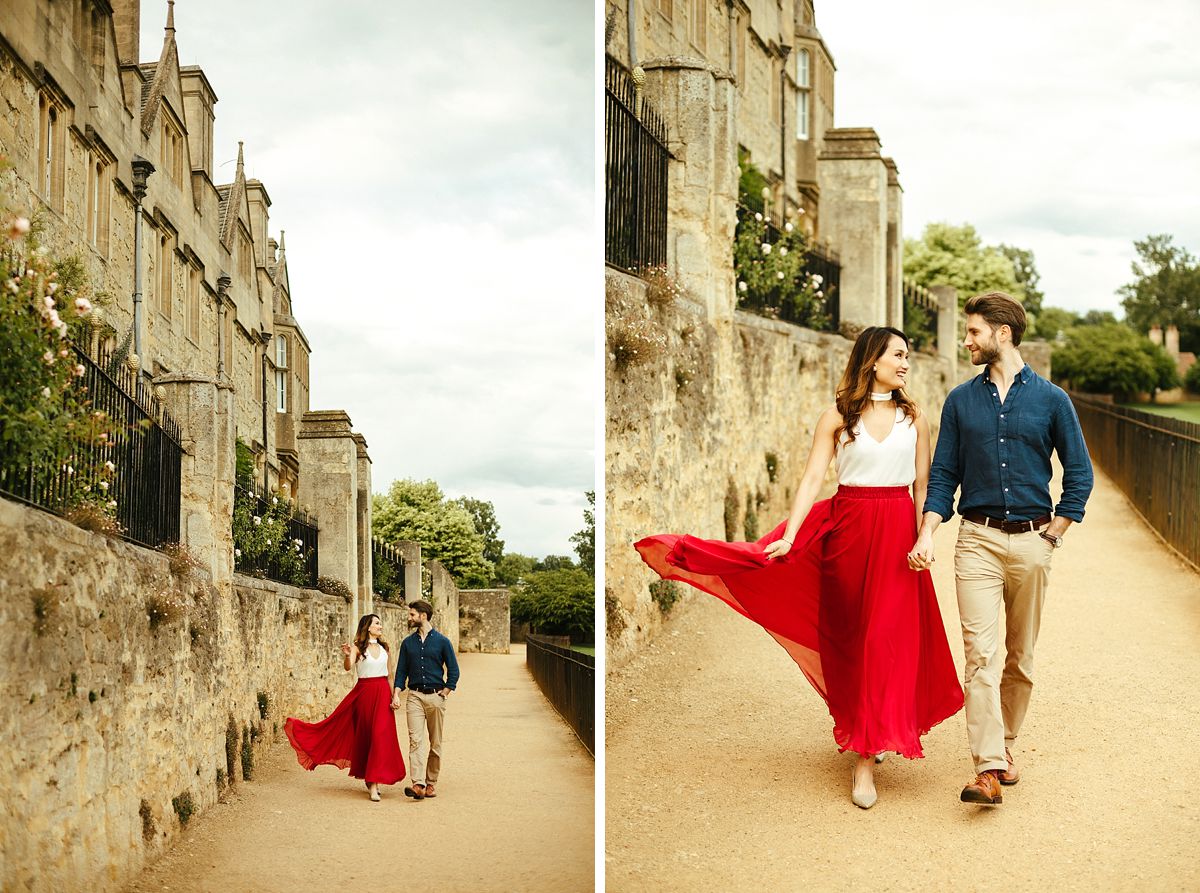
(247, 755)
(772, 466)
(183, 806)
(181, 561)
(633, 342)
(165, 606)
(147, 821)
(731, 511)
(264, 704)
(664, 593)
(263, 540)
(1192, 378)
(558, 602)
(1113, 359)
(330, 586)
(231, 748)
(750, 524)
(662, 289)
(614, 617)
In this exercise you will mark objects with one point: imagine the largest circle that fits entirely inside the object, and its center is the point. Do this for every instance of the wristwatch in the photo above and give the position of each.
(1053, 540)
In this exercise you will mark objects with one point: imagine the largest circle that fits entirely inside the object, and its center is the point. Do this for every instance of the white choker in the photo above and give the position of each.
(887, 396)
(372, 641)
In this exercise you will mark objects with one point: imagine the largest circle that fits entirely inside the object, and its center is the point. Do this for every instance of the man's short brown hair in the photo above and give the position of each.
(999, 309)
(422, 607)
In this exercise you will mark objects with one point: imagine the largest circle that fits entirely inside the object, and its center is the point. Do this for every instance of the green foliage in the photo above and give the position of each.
(614, 617)
(751, 183)
(330, 586)
(1165, 290)
(585, 540)
(1111, 358)
(772, 461)
(247, 755)
(231, 747)
(183, 806)
(483, 513)
(244, 471)
(1192, 378)
(512, 568)
(750, 522)
(955, 255)
(664, 593)
(1027, 276)
(264, 704)
(262, 540)
(554, 563)
(771, 275)
(731, 511)
(147, 821)
(1054, 321)
(418, 510)
(558, 602)
(387, 580)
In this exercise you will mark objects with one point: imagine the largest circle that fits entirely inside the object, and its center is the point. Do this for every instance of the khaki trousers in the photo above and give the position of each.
(992, 568)
(425, 716)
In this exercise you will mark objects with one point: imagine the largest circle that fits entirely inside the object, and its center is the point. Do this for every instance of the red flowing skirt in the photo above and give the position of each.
(863, 627)
(360, 734)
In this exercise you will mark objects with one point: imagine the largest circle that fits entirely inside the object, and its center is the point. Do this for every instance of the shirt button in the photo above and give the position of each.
(1004, 465)
(1006, 489)
(1002, 440)
(1006, 511)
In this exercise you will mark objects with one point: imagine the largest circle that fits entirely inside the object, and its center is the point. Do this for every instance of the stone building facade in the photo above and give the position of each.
(215, 288)
(773, 87)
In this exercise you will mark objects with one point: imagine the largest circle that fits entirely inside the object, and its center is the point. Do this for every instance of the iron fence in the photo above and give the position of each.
(920, 316)
(1154, 460)
(823, 314)
(387, 571)
(568, 679)
(141, 446)
(302, 531)
(635, 175)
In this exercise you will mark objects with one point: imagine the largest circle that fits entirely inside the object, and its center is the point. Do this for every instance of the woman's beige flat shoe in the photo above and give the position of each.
(862, 801)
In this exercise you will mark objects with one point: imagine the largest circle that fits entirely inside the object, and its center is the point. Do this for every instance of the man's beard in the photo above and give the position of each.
(986, 353)
(413, 624)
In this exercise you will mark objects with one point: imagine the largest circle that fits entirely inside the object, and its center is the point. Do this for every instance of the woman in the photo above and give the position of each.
(361, 731)
(832, 584)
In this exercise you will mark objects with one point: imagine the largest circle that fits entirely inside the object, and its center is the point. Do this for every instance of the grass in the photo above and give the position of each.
(1189, 412)
(586, 649)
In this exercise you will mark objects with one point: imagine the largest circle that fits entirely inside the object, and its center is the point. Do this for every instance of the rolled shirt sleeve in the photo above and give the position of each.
(1078, 477)
(451, 663)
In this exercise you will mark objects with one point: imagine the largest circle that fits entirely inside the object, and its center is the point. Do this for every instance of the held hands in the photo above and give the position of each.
(921, 556)
(778, 549)
(346, 649)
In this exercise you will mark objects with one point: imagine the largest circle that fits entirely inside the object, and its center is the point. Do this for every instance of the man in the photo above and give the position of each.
(423, 656)
(998, 432)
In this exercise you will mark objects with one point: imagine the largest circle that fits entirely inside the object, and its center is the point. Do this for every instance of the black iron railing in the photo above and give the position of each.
(568, 679)
(822, 314)
(1154, 460)
(387, 571)
(635, 175)
(294, 560)
(920, 316)
(136, 465)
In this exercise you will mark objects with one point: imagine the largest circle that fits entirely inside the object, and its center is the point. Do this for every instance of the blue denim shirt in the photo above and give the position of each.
(420, 663)
(999, 453)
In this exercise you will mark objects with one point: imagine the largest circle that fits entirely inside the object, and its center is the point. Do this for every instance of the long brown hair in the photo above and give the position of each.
(363, 635)
(854, 390)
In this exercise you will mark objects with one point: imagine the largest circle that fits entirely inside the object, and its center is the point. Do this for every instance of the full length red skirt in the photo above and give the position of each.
(863, 627)
(360, 734)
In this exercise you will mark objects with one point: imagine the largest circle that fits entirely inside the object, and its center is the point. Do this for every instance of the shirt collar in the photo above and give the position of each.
(1026, 375)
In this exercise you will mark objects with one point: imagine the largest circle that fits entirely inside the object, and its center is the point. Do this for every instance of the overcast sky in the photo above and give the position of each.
(1069, 127)
(432, 166)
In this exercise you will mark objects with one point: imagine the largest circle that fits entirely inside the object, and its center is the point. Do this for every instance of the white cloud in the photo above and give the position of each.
(433, 169)
(1066, 128)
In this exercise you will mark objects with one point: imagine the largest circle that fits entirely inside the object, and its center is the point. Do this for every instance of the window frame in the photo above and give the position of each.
(803, 94)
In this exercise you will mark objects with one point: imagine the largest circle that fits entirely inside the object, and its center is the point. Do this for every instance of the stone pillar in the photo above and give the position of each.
(1156, 334)
(411, 551)
(1171, 342)
(204, 410)
(698, 103)
(947, 324)
(895, 247)
(445, 602)
(329, 478)
(853, 181)
(363, 523)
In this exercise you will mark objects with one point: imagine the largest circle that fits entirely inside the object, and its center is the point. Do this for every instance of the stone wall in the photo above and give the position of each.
(484, 620)
(714, 432)
(108, 719)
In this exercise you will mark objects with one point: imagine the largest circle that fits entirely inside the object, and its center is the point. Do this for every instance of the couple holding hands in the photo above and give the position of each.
(844, 585)
(360, 734)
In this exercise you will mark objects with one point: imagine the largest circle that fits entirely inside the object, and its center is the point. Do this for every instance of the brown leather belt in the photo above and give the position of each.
(1007, 526)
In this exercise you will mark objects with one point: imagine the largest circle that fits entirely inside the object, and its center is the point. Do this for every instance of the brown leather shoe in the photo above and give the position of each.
(417, 792)
(984, 789)
(429, 792)
(1012, 774)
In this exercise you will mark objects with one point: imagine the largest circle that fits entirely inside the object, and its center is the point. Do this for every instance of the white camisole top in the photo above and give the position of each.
(892, 462)
(371, 667)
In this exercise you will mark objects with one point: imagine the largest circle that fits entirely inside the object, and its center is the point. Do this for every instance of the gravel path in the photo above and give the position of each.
(514, 811)
(722, 774)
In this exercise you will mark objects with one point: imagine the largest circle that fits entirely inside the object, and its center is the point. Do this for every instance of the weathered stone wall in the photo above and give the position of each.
(105, 719)
(719, 426)
(484, 620)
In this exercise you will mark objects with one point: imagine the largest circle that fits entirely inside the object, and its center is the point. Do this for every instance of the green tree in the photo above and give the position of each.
(1165, 290)
(955, 255)
(1192, 378)
(512, 568)
(1111, 358)
(483, 513)
(418, 510)
(558, 602)
(554, 563)
(585, 540)
(1027, 276)
(1054, 321)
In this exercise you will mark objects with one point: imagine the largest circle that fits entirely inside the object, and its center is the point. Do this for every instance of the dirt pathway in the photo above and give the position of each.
(722, 773)
(514, 811)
